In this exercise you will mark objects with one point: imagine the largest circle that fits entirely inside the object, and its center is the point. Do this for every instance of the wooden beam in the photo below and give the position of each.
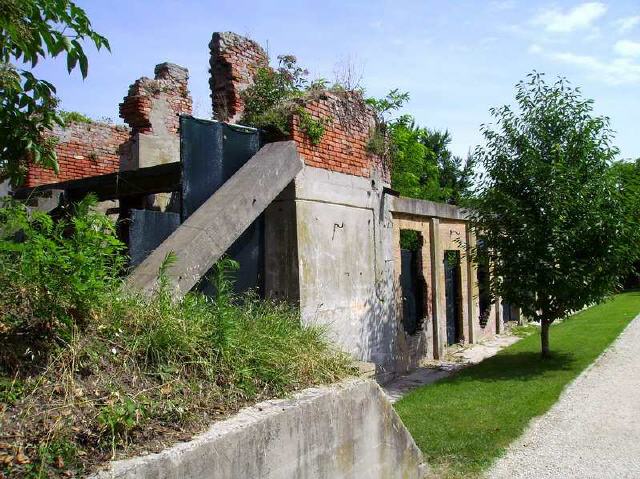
(143, 181)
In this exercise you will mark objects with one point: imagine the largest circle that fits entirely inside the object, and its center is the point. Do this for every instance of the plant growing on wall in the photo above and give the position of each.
(276, 95)
(550, 215)
(30, 31)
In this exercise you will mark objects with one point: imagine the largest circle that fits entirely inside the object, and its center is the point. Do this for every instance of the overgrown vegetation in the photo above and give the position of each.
(463, 423)
(89, 372)
(626, 175)
(31, 31)
(277, 94)
(73, 117)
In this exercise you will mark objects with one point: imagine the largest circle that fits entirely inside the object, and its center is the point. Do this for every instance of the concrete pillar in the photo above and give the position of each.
(437, 273)
(472, 286)
(498, 316)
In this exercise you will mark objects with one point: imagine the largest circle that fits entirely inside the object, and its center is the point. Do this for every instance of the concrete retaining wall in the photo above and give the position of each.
(348, 430)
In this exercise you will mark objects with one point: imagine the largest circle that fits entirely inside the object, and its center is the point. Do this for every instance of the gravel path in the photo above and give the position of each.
(593, 431)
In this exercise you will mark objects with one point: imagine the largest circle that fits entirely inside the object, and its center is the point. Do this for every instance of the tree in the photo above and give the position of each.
(551, 220)
(424, 167)
(30, 31)
(414, 171)
(627, 177)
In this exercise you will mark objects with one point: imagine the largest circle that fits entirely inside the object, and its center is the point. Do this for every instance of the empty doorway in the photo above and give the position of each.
(412, 282)
(453, 296)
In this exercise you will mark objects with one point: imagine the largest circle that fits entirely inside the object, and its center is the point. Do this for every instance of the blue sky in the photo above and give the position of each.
(457, 58)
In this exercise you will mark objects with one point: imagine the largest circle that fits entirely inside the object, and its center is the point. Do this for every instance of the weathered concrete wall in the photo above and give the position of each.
(333, 247)
(344, 247)
(345, 431)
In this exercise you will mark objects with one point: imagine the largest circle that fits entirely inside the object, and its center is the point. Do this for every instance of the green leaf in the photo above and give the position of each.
(84, 65)
(72, 59)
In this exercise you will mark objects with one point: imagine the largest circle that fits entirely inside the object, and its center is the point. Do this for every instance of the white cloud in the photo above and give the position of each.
(535, 49)
(580, 17)
(615, 72)
(627, 24)
(627, 48)
(502, 4)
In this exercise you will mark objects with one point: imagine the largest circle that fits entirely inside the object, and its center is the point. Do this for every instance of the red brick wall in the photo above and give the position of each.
(343, 147)
(234, 61)
(91, 149)
(84, 149)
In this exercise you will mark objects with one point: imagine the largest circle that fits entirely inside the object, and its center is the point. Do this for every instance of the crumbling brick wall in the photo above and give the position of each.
(151, 109)
(169, 85)
(344, 146)
(83, 150)
(234, 61)
(349, 122)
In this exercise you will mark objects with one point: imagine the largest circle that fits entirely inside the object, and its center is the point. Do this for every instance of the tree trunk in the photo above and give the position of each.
(544, 337)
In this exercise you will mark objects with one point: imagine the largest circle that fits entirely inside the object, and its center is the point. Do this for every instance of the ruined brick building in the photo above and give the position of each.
(313, 223)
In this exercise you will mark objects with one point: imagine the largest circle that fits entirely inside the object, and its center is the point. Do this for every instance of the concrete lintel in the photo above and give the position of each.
(412, 206)
(207, 234)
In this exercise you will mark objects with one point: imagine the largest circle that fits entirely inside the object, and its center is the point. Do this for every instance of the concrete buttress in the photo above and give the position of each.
(207, 234)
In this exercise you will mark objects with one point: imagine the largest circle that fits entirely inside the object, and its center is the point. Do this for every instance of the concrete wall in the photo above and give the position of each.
(337, 228)
(345, 431)
(333, 247)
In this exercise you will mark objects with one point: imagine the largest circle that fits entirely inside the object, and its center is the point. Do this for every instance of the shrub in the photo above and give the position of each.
(73, 117)
(53, 274)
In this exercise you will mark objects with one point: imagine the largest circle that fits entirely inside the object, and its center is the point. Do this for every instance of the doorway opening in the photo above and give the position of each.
(453, 295)
(412, 283)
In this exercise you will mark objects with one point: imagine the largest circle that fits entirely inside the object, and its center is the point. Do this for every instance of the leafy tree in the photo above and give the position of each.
(424, 167)
(414, 172)
(30, 31)
(455, 175)
(548, 210)
(627, 177)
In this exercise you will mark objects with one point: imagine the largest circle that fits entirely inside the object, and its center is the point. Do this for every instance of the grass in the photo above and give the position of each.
(463, 423)
(147, 372)
(90, 371)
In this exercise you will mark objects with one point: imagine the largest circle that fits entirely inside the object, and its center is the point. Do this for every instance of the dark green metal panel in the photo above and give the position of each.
(212, 152)
(412, 290)
(147, 230)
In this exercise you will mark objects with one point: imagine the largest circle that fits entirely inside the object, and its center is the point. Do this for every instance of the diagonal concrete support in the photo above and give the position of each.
(207, 234)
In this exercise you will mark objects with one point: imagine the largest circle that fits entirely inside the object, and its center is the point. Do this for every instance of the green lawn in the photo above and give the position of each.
(464, 422)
